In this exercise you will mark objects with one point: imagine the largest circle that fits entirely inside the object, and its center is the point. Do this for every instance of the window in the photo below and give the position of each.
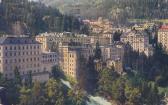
(15, 48)
(14, 53)
(10, 54)
(6, 61)
(6, 54)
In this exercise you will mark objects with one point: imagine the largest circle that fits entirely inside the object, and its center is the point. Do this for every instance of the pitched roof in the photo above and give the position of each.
(17, 40)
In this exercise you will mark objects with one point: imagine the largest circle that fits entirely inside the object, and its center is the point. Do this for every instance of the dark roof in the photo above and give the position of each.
(17, 40)
(2, 89)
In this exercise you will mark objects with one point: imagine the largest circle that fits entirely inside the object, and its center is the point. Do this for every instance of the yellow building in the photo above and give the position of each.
(70, 54)
(139, 41)
(163, 36)
(117, 64)
(50, 41)
(100, 26)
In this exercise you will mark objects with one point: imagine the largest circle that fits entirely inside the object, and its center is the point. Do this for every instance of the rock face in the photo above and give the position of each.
(18, 28)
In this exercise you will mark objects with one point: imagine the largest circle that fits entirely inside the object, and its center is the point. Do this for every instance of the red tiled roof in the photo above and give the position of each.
(165, 27)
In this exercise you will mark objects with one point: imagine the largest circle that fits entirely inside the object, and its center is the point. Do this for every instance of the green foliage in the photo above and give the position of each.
(17, 75)
(57, 72)
(98, 52)
(35, 18)
(55, 96)
(92, 76)
(76, 97)
(116, 36)
(25, 97)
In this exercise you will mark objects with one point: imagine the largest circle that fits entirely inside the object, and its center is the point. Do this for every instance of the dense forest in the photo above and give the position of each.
(33, 18)
(117, 9)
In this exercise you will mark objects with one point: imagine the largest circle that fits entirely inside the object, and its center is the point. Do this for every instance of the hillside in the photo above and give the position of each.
(33, 18)
(117, 9)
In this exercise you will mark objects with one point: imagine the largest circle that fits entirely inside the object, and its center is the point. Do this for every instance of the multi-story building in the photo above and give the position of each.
(70, 54)
(163, 36)
(49, 59)
(22, 53)
(100, 26)
(50, 41)
(113, 51)
(139, 41)
(116, 64)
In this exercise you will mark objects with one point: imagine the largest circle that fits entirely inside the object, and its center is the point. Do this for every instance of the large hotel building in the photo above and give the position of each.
(138, 40)
(22, 53)
(70, 54)
(163, 37)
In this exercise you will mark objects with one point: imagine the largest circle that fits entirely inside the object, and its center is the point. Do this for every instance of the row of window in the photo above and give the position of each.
(49, 56)
(10, 54)
(22, 47)
(7, 68)
(21, 60)
(50, 60)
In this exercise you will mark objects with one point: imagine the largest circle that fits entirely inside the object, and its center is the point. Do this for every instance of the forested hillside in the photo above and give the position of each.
(119, 9)
(33, 18)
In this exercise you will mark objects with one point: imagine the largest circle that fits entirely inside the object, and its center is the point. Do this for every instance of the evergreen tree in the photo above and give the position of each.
(17, 77)
(98, 53)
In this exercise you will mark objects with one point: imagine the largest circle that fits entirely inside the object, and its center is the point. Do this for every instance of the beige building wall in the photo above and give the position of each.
(70, 55)
(21, 53)
(163, 38)
(117, 64)
(114, 51)
(50, 40)
(139, 41)
(49, 59)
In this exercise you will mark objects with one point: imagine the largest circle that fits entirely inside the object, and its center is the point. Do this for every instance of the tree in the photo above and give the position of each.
(54, 92)
(82, 80)
(57, 72)
(17, 77)
(117, 35)
(37, 94)
(76, 97)
(106, 79)
(98, 52)
(25, 96)
(29, 79)
(92, 76)
(133, 95)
